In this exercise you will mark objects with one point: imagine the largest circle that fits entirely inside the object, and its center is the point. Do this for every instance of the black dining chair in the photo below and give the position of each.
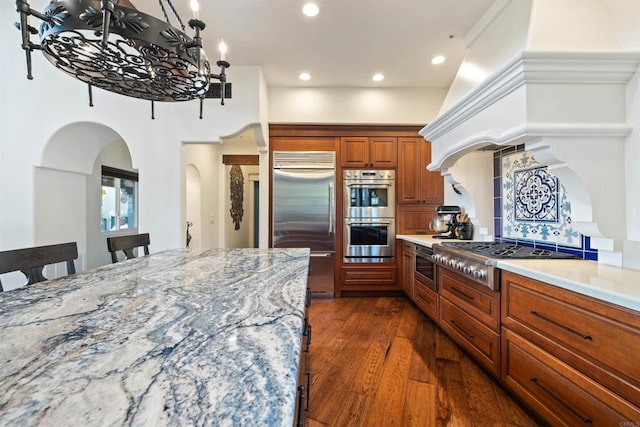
(127, 244)
(31, 261)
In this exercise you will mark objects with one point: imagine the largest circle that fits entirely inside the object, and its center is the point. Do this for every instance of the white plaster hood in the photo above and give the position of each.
(569, 108)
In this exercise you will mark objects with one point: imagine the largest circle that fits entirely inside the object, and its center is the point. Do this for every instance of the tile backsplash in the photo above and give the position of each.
(531, 206)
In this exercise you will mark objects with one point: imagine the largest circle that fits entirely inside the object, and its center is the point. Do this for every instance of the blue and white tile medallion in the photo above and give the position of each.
(535, 206)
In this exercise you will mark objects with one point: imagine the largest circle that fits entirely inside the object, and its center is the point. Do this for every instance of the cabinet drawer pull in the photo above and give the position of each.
(560, 325)
(308, 374)
(461, 329)
(459, 292)
(560, 401)
(307, 333)
(301, 398)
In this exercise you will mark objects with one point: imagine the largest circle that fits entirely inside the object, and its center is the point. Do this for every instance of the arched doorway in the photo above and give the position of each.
(67, 188)
(194, 206)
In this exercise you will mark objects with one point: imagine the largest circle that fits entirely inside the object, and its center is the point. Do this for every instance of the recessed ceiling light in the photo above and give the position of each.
(304, 76)
(438, 59)
(310, 9)
(378, 77)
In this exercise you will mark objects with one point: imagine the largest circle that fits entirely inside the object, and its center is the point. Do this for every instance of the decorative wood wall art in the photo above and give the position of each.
(237, 196)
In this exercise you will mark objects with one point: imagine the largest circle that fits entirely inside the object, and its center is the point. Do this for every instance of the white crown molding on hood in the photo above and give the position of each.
(528, 68)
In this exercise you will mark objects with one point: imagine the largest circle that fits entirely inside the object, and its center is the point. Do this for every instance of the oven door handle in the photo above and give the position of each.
(357, 222)
(376, 185)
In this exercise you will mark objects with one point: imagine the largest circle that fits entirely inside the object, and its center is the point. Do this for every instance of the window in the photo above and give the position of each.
(119, 208)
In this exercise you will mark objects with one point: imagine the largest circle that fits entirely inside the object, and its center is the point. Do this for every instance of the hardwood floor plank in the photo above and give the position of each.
(408, 322)
(383, 328)
(419, 405)
(381, 362)
(423, 361)
(388, 404)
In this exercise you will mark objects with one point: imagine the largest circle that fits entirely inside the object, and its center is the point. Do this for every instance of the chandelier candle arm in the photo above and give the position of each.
(107, 10)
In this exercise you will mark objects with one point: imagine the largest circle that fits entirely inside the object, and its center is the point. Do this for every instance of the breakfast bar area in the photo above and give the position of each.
(178, 337)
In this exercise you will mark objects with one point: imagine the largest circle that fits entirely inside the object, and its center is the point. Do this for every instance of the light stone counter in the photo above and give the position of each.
(176, 338)
(608, 283)
(422, 239)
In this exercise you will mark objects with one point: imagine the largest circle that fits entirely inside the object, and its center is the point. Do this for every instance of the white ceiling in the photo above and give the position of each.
(344, 45)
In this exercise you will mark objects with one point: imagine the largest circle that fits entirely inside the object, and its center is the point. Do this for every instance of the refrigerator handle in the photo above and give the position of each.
(332, 221)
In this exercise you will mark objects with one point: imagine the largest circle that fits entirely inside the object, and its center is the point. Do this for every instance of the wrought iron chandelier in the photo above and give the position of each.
(111, 45)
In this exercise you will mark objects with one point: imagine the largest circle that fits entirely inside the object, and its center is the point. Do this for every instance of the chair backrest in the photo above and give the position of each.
(127, 244)
(31, 261)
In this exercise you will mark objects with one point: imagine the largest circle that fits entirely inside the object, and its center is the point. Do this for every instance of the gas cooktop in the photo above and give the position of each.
(478, 260)
(498, 250)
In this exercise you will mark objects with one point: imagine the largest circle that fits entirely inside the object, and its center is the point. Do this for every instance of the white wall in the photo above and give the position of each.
(354, 105)
(632, 158)
(32, 112)
(475, 172)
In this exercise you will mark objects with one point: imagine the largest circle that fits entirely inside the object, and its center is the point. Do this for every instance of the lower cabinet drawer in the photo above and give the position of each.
(426, 299)
(479, 340)
(478, 300)
(369, 277)
(556, 391)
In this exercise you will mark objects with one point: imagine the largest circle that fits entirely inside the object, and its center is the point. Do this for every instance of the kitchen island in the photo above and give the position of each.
(180, 337)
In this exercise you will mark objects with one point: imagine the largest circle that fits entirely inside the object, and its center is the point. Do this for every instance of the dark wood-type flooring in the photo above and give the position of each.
(381, 362)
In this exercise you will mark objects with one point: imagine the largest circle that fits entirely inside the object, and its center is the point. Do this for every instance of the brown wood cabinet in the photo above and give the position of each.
(558, 392)
(599, 339)
(470, 315)
(356, 147)
(417, 185)
(414, 219)
(408, 265)
(369, 277)
(418, 190)
(304, 376)
(368, 152)
(427, 300)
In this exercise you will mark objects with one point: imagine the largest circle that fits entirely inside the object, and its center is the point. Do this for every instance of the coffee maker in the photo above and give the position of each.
(446, 222)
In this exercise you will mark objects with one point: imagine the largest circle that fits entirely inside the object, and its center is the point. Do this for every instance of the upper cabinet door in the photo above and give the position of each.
(408, 179)
(416, 185)
(355, 151)
(383, 152)
(366, 152)
(432, 182)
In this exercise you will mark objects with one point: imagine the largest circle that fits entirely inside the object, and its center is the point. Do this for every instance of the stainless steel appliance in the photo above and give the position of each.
(369, 193)
(477, 260)
(369, 239)
(369, 215)
(446, 223)
(304, 211)
(424, 267)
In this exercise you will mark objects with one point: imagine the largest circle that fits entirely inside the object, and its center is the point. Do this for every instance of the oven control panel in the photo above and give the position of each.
(368, 174)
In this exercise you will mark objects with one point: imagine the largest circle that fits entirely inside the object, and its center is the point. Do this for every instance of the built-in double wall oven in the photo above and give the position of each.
(369, 215)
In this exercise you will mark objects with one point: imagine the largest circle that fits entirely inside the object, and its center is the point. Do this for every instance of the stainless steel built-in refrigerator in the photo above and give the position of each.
(304, 211)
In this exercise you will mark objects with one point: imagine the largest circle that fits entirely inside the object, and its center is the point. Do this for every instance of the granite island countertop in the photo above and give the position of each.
(180, 337)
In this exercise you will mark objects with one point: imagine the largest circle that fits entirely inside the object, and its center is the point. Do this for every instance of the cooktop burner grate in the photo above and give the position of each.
(497, 250)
